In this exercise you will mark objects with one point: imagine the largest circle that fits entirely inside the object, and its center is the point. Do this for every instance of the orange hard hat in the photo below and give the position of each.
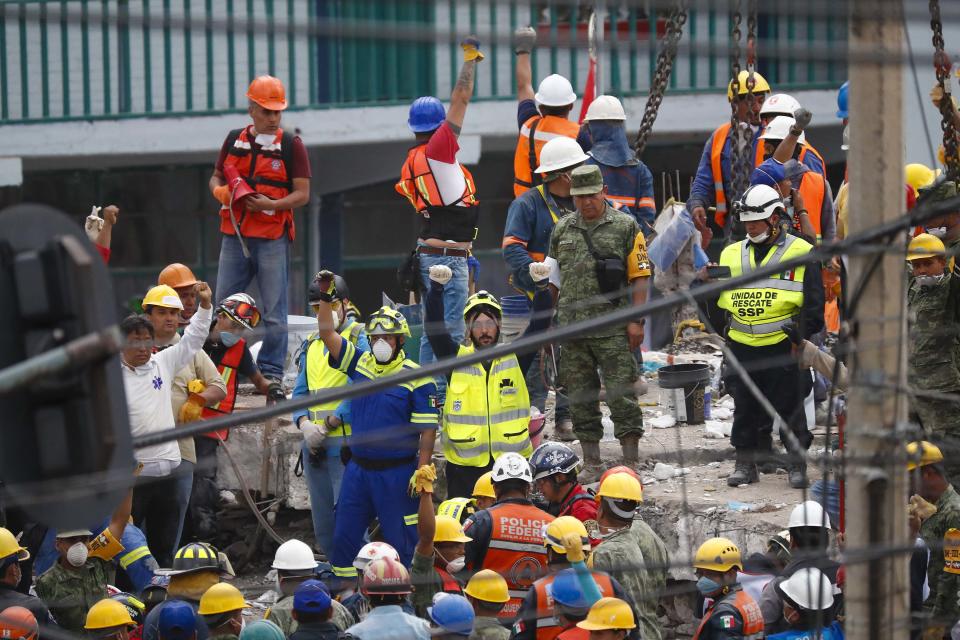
(619, 469)
(17, 623)
(177, 275)
(268, 92)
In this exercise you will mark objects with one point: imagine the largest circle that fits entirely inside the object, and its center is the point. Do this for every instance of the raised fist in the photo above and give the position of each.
(524, 39)
(803, 117)
(440, 274)
(539, 271)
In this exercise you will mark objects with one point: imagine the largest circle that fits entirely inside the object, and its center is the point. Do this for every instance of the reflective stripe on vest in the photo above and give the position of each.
(813, 190)
(716, 168)
(749, 612)
(758, 310)
(548, 128)
(132, 556)
(227, 367)
(548, 627)
(265, 171)
(320, 375)
(419, 187)
(486, 413)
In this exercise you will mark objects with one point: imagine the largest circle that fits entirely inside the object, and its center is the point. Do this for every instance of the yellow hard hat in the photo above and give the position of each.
(621, 486)
(609, 613)
(562, 527)
(221, 598)
(483, 487)
(718, 554)
(162, 296)
(9, 546)
(760, 84)
(925, 245)
(918, 175)
(457, 508)
(387, 322)
(921, 453)
(108, 613)
(489, 586)
(449, 530)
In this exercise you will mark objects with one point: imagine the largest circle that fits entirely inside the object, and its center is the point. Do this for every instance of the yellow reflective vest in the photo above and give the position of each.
(486, 413)
(320, 375)
(759, 310)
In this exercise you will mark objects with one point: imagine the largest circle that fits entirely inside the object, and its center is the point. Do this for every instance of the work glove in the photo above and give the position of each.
(422, 480)
(196, 386)
(539, 271)
(313, 434)
(922, 508)
(327, 287)
(222, 193)
(802, 117)
(93, 224)
(574, 547)
(524, 40)
(793, 332)
(192, 408)
(934, 633)
(275, 392)
(471, 49)
(440, 274)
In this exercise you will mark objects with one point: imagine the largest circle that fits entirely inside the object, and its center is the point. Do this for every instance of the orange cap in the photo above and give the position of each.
(18, 623)
(268, 92)
(177, 275)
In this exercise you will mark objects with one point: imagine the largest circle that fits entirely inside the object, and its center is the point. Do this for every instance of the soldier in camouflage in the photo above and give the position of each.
(586, 293)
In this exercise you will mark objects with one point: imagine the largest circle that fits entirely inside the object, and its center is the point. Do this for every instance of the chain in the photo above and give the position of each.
(735, 155)
(668, 53)
(941, 65)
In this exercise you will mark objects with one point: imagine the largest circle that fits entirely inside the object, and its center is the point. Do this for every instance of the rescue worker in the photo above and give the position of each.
(631, 549)
(929, 485)
(321, 457)
(11, 555)
(508, 537)
(807, 598)
(483, 495)
(180, 621)
(758, 312)
(577, 244)
(713, 183)
(393, 433)
(195, 387)
(443, 193)
(313, 612)
(571, 604)
(608, 619)
(759, 569)
(452, 615)
(136, 608)
(222, 609)
(296, 566)
(541, 116)
(261, 630)
(629, 181)
(487, 592)
(568, 546)
(781, 104)
(945, 226)
(386, 585)
(108, 619)
(259, 228)
(486, 412)
(18, 623)
(180, 277)
(555, 469)
(732, 612)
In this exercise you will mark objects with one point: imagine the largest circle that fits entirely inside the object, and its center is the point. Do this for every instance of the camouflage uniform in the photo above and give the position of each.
(485, 628)
(69, 593)
(281, 614)
(635, 547)
(942, 605)
(613, 234)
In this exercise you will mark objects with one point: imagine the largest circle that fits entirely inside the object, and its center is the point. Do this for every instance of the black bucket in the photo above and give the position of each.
(682, 388)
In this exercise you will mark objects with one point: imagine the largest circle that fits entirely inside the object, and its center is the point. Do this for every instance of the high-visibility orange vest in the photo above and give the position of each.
(448, 584)
(747, 607)
(808, 148)
(419, 187)
(813, 190)
(548, 627)
(541, 129)
(574, 633)
(516, 550)
(228, 366)
(265, 170)
(716, 168)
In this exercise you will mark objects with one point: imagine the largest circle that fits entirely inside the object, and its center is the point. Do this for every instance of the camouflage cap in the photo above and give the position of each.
(586, 180)
(940, 190)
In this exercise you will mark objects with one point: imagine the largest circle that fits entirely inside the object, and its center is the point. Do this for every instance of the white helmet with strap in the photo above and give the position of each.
(759, 202)
(511, 466)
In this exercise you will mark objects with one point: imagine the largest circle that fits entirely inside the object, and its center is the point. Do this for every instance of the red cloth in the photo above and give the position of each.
(443, 145)
(301, 161)
(104, 253)
(589, 91)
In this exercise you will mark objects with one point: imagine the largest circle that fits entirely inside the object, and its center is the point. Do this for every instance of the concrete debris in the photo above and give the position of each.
(716, 429)
(721, 413)
(664, 471)
(228, 497)
(662, 422)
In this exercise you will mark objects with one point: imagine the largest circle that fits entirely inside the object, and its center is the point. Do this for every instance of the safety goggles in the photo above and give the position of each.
(246, 314)
(380, 324)
(335, 305)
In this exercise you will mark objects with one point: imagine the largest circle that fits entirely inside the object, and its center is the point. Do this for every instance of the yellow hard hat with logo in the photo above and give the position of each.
(457, 508)
(387, 322)
(483, 488)
(108, 613)
(562, 527)
(609, 613)
(925, 245)
(489, 586)
(221, 598)
(718, 554)
(621, 486)
(760, 84)
(10, 546)
(162, 296)
(449, 530)
(482, 299)
(921, 453)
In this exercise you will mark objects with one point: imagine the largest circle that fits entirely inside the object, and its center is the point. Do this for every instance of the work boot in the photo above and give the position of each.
(563, 430)
(630, 445)
(797, 475)
(767, 461)
(745, 470)
(592, 467)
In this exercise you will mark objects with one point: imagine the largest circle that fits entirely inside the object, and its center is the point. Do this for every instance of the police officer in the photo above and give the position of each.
(393, 435)
(758, 311)
(508, 537)
(555, 469)
(600, 236)
(732, 612)
(321, 453)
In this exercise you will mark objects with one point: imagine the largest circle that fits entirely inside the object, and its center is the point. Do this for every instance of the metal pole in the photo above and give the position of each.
(876, 593)
(600, 22)
(76, 353)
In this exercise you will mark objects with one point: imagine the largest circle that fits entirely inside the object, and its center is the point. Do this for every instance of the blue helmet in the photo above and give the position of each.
(426, 114)
(551, 458)
(452, 613)
(177, 621)
(567, 591)
(312, 596)
(842, 98)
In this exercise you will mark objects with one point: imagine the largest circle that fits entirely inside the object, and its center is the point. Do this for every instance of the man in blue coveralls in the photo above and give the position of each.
(393, 435)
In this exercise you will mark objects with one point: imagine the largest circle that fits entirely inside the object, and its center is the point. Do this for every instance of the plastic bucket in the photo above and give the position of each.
(682, 389)
(516, 316)
(537, 422)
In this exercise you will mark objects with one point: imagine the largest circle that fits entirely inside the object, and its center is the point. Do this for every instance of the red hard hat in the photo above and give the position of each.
(385, 577)
(268, 92)
(17, 623)
(239, 188)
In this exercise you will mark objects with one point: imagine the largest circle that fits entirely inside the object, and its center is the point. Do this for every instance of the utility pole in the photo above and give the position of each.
(877, 586)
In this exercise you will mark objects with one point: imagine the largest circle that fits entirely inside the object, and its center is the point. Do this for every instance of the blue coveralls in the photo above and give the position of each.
(384, 447)
(628, 180)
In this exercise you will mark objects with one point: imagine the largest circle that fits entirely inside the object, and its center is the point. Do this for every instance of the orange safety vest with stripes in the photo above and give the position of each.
(813, 190)
(805, 149)
(516, 550)
(716, 168)
(452, 221)
(228, 368)
(541, 130)
(745, 605)
(548, 627)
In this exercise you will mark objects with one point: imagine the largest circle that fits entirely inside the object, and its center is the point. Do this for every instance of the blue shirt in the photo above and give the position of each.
(526, 234)
(389, 622)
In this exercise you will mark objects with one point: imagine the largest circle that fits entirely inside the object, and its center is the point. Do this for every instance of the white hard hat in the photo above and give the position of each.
(809, 514)
(809, 589)
(778, 129)
(294, 555)
(374, 551)
(605, 108)
(779, 104)
(511, 466)
(555, 91)
(560, 153)
(845, 146)
(759, 202)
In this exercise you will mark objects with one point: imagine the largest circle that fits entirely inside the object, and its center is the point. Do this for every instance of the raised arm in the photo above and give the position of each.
(524, 40)
(463, 89)
(788, 145)
(325, 328)
(433, 324)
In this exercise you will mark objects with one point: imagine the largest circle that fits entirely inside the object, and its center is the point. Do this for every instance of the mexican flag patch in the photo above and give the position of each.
(727, 622)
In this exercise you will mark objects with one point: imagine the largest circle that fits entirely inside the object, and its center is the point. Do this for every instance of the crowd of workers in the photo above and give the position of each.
(511, 544)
